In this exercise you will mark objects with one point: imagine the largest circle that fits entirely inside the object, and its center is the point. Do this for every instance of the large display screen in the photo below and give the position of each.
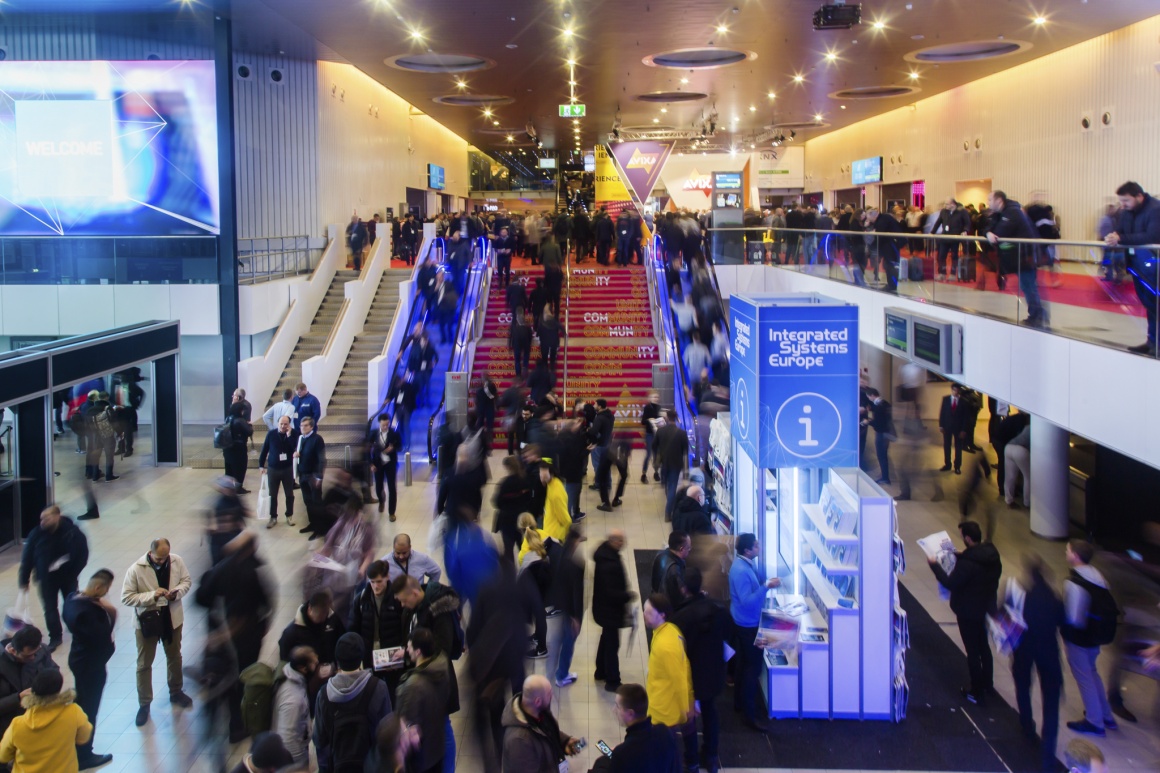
(866, 170)
(727, 181)
(898, 332)
(108, 148)
(928, 345)
(435, 177)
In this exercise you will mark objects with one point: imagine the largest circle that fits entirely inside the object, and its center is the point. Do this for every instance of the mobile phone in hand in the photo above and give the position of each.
(603, 747)
(580, 744)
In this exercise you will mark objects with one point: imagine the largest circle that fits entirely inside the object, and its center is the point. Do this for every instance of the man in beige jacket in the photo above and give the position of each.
(154, 586)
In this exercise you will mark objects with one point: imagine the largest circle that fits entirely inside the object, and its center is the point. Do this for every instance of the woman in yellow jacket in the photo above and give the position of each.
(670, 676)
(44, 738)
(557, 519)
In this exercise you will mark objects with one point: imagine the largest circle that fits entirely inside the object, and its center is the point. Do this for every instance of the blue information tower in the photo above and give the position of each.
(833, 634)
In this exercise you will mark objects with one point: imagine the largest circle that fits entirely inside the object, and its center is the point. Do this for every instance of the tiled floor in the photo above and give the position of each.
(148, 502)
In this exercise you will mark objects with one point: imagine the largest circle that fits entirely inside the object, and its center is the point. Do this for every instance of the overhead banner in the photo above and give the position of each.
(610, 191)
(794, 380)
(640, 164)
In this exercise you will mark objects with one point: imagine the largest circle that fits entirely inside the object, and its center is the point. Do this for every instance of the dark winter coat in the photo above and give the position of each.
(42, 549)
(366, 617)
(610, 593)
(704, 622)
(973, 582)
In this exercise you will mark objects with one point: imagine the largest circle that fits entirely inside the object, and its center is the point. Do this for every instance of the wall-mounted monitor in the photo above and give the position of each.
(590, 162)
(866, 170)
(547, 163)
(98, 148)
(436, 177)
(727, 181)
(930, 342)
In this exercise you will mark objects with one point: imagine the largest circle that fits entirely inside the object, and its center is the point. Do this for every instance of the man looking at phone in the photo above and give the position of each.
(154, 587)
(647, 748)
(533, 741)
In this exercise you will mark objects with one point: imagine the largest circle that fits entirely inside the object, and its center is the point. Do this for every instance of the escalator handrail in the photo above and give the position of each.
(685, 413)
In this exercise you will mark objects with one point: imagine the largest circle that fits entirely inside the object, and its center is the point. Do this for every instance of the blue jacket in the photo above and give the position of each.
(306, 406)
(1141, 226)
(746, 591)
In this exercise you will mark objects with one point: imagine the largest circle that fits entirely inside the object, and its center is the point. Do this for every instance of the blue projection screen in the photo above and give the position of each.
(108, 149)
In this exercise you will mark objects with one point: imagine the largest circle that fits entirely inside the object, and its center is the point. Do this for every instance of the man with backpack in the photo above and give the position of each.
(348, 711)
(1090, 623)
(290, 707)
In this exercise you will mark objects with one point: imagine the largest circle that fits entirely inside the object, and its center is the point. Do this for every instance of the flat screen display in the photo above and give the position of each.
(590, 162)
(928, 343)
(866, 170)
(108, 148)
(435, 177)
(547, 163)
(897, 332)
(727, 181)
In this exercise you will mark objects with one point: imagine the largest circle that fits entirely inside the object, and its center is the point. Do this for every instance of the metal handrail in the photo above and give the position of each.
(567, 323)
(672, 343)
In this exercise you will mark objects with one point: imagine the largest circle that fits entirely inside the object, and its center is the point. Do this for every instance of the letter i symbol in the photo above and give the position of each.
(809, 441)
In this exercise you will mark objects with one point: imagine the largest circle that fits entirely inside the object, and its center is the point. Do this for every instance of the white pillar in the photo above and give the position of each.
(1049, 479)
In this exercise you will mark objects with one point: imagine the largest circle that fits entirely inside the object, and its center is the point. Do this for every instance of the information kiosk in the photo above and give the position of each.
(833, 636)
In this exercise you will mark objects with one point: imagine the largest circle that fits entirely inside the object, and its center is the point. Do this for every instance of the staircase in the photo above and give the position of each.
(610, 347)
(308, 345)
(346, 414)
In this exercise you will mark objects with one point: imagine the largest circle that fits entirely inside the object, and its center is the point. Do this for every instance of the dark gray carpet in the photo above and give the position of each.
(941, 731)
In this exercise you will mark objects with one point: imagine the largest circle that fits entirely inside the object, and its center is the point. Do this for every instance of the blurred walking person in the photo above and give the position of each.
(57, 551)
(90, 618)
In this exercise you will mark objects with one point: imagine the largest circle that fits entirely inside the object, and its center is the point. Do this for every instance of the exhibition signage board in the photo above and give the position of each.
(640, 165)
(794, 380)
(610, 191)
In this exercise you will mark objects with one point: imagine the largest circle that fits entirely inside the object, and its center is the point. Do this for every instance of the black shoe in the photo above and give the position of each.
(643, 478)
(656, 475)
(240, 491)
(537, 653)
(118, 477)
(604, 508)
(1121, 711)
(313, 537)
(94, 761)
(142, 716)
(611, 686)
(181, 699)
(758, 724)
(1083, 726)
(593, 486)
(616, 502)
(945, 468)
(306, 529)
(883, 481)
(902, 498)
(1148, 347)
(88, 516)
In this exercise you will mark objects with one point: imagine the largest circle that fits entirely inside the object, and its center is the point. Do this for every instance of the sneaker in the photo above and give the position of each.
(88, 516)
(142, 716)
(616, 502)
(643, 478)
(289, 521)
(392, 517)
(656, 476)
(537, 653)
(1083, 726)
(270, 523)
(569, 679)
(604, 508)
(181, 699)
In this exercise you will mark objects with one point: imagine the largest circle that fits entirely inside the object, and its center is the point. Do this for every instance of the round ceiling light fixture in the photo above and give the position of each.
(439, 63)
(671, 96)
(473, 100)
(971, 51)
(705, 58)
(874, 92)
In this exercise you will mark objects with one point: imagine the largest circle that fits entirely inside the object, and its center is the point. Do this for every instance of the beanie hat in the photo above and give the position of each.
(47, 683)
(348, 652)
(268, 752)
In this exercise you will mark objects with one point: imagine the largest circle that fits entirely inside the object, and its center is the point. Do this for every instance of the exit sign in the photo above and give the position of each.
(572, 111)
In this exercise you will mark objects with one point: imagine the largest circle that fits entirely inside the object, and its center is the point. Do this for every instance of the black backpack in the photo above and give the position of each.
(351, 736)
(1102, 616)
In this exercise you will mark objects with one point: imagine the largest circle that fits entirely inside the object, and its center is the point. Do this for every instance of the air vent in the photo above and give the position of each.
(698, 58)
(874, 92)
(671, 96)
(972, 51)
(473, 100)
(439, 63)
(244, 72)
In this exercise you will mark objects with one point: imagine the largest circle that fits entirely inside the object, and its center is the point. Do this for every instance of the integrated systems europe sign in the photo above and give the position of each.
(794, 380)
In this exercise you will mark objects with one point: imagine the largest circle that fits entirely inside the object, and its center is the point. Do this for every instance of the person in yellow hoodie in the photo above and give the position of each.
(557, 519)
(670, 677)
(45, 737)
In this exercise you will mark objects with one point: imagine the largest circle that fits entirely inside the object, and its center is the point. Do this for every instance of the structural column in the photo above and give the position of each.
(1049, 479)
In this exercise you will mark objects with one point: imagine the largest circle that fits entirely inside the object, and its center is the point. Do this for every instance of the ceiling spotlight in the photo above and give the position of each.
(495, 123)
(572, 83)
(798, 78)
(1040, 20)
(753, 108)
(656, 120)
(722, 29)
(771, 95)
(568, 32)
(487, 112)
(571, 63)
(684, 81)
(879, 25)
(842, 106)
(461, 84)
(416, 35)
(752, 146)
(913, 75)
(510, 138)
(817, 116)
(831, 56)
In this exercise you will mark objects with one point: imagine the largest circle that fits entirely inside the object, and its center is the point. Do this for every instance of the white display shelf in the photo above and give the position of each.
(828, 593)
(818, 522)
(832, 565)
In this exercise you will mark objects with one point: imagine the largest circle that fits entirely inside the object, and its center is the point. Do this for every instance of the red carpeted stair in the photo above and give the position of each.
(610, 348)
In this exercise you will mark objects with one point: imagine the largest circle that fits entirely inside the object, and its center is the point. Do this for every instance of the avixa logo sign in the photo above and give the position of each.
(644, 161)
(698, 182)
(807, 349)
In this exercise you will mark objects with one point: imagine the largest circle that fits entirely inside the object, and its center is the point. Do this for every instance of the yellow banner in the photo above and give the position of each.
(609, 187)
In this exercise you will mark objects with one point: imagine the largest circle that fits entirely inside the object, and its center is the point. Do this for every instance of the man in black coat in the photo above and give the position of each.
(600, 436)
(520, 342)
(276, 461)
(311, 455)
(605, 233)
(436, 608)
(647, 748)
(973, 583)
(672, 447)
(385, 442)
(1139, 224)
(315, 626)
(1009, 221)
(668, 569)
(889, 245)
(377, 617)
(610, 600)
(704, 622)
(22, 658)
(550, 333)
(58, 551)
(90, 619)
(952, 423)
(691, 515)
(882, 421)
(1038, 648)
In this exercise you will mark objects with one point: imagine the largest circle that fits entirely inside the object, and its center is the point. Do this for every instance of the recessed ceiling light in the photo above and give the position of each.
(1040, 20)
(416, 35)
(461, 84)
(879, 25)
(722, 29)
(831, 56)
(842, 106)
(571, 63)
(664, 110)
(656, 120)
(772, 95)
(568, 32)
(487, 112)
(817, 116)
(798, 78)
(510, 138)
(495, 123)
(913, 76)
(684, 81)
(753, 108)
(511, 45)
